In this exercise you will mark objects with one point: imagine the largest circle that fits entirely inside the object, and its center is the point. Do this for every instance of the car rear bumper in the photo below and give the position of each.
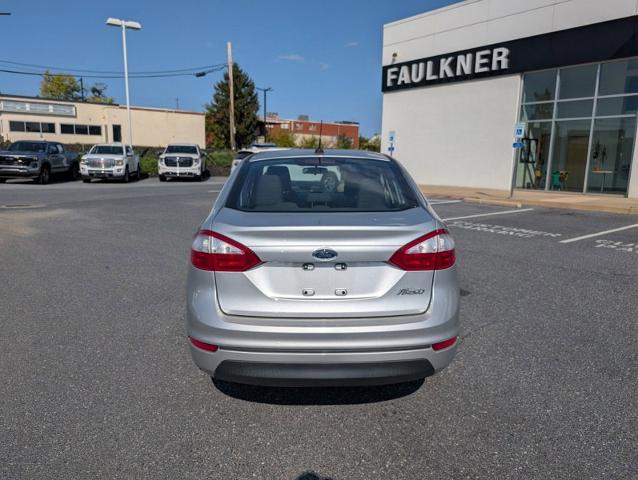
(322, 369)
(316, 351)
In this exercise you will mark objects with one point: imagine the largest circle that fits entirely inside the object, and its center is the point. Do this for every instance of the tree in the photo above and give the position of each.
(246, 107)
(373, 144)
(284, 139)
(97, 94)
(309, 142)
(344, 142)
(60, 86)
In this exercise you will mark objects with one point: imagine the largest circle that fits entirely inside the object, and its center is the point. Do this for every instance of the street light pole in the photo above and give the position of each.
(265, 90)
(128, 101)
(115, 22)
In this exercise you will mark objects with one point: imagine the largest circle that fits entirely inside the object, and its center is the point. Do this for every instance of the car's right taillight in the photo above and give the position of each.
(434, 251)
(215, 252)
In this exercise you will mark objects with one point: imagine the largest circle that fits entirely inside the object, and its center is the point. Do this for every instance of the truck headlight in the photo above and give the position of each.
(196, 161)
(83, 161)
(119, 163)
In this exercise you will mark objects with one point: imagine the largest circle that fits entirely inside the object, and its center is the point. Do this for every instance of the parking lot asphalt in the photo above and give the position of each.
(97, 382)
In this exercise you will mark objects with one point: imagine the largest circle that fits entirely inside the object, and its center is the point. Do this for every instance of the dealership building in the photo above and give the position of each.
(86, 123)
(515, 94)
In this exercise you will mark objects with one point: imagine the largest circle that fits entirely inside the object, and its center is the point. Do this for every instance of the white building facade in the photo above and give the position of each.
(525, 94)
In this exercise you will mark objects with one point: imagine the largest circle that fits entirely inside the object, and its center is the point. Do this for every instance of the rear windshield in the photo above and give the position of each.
(27, 147)
(107, 150)
(181, 149)
(321, 185)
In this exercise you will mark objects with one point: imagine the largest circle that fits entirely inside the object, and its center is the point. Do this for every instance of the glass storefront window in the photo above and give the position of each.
(607, 107)
(575, 109)
(611, 155)
(537, 111)
(577, 82)
(617, 78)
(581, 139)
(539, 86)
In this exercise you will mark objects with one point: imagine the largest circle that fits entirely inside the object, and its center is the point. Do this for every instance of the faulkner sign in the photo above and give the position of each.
(456, 67)
(588, 44)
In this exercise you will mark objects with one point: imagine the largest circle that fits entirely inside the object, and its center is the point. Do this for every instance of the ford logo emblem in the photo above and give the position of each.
(324, 254)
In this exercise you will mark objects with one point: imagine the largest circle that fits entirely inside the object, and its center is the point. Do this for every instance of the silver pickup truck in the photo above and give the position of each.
(37, 160)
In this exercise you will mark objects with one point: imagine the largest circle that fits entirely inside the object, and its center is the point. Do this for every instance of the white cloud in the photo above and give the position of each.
(351, 44)
(323, 66)
(292, 57)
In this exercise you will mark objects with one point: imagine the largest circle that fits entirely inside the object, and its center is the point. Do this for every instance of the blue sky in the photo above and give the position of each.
(323, 59)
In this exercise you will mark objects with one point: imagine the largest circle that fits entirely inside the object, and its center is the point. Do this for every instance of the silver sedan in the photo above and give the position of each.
(322, 268)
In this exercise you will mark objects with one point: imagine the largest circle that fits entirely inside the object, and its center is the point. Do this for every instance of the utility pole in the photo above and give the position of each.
(82, 88)
(231, 92)
(265, 90)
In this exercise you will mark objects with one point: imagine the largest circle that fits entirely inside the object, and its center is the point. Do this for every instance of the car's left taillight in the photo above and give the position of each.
(215, 252)
(433, 251)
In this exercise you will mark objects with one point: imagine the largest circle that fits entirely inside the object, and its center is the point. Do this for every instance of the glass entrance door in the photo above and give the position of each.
(531, 172)
(569, 160)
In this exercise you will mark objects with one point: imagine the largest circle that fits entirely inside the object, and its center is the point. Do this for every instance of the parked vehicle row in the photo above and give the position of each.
(39, 160)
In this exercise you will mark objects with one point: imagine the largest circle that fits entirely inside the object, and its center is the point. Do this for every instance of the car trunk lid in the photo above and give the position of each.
(324, 265)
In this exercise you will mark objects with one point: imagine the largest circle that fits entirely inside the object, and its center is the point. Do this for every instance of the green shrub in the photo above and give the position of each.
(148, 164)
(221, 158)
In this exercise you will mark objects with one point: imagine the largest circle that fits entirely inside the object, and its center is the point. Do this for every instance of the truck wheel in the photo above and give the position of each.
(3, 180)
(126, 177)
(74, 172)
(86, 180)
(162, 178)
(43, 177)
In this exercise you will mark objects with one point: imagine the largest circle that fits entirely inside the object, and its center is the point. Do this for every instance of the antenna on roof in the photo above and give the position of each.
(319, 150)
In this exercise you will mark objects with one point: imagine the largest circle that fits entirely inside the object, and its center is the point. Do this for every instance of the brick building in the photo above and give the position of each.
(304, 129)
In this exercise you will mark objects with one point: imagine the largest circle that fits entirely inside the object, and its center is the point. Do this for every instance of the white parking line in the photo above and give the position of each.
(592, 235)
(518, 210)
(442, 202)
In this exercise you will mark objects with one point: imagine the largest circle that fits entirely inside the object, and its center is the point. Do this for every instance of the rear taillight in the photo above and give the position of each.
(434, 251)
(444, 344)
(209, 347)
(217, 253)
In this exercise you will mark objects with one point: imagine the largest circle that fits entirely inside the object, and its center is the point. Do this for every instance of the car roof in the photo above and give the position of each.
(300, 153)
(182, 145)
(116, 144)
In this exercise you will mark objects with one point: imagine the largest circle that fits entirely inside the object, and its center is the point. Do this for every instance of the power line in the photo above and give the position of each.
(113, 72)
(131, 75)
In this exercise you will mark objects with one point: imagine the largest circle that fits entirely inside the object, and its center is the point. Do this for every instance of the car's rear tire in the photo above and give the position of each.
(162, 178)
(3, 180)
(74, 172)
(86, 180)
(44, 176)
(126, 178)
(138, 173)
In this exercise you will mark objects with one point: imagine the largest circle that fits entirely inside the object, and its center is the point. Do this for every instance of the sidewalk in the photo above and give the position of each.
(572, 201)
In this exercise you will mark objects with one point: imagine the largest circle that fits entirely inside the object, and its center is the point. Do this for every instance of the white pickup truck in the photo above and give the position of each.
(182, 160)
(112, 161)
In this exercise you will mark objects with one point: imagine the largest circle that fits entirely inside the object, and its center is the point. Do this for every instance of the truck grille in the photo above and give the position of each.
(178, 161)
(101, 163)
(16, 160)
